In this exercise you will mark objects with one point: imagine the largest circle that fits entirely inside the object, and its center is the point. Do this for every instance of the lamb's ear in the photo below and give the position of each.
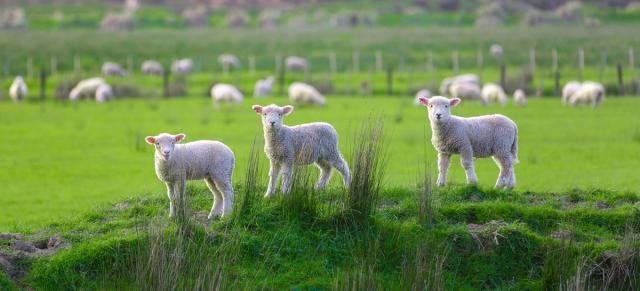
(150, 139)
(454, 102)
(287, 110)
(180, 136)
(423, 100)
(257, 109)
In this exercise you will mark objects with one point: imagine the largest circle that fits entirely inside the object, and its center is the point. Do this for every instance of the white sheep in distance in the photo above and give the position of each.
(86, 88)
(569, 89)
(445, 86)
(18, 89)
(301, 93)
(151, 67)
(263, 88)
(295, 63)
(228, 60)
(303, 144)
(104, 93)
(113, 69)
(493, 93)
(182, 66)
(225, 93)
(474, 137)
(466, 91)
(422, 93)
(591, 93)
(496, 50)
(519, 97)
(211, 161)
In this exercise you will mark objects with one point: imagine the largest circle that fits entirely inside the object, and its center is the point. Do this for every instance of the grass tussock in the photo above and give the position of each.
(252, 185)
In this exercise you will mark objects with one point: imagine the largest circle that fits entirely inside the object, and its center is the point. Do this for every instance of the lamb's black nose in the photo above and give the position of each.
(438, 115)
(273, 123)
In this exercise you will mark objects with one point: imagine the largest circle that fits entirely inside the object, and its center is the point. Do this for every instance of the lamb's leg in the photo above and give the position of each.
(216, 208)
(171, 194)
(224, 186)
(325, 174)
(274, 171)
(287, 169)
(506, 178)
(179, 189)
(341, 165)
(444, 160)
(466, 158)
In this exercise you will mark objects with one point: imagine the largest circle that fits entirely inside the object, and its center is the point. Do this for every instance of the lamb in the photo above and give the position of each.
(474, 137)
(225, 93)
(519, 97)
(228, 60)
(496, 50)
(113, 69)
(86, 88)
(295, 63)
(466, 78)
(569, 89)
(493, 93)
(299, 145)
(301, 93)
(151, 67)
(263, 88)
(104, 93)
(469, 91)
(18, 89)
(422, 93)
(182, 66)
(176, 163)
(589, 93)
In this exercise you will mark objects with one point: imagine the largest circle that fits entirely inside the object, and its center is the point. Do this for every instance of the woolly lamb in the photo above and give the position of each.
(569, 89)
(263, 88)
(474, 137)
(493, 93)
(422, 93)
(151, 67)
(299, 145)
(301, 93)
(212, 161)
(104, 93)
(182, 67)
(228, 60)
(113, 69)
(225, 93)
(295, 63)
(86, 88)
(496, 51)
(18, 89)
(445, 86)
(519, 97)
(591, 93)
(467, 91)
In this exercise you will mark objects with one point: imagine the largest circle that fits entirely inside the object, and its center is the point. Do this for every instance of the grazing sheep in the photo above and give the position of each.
(591, 93)
(18, 89)
(228, 60)
(467, 91)
(422, 93)
(151, 67)
(519, 97)
(182, 66)
(496, 51)
(493, 93)
(299, 145)
(86, 88)
(569, 89)
(113, 69)
(295, 63)
(474, 137)
(264, 87)
(225, 93)
(301, 93)
(104, 93)
(212, 161)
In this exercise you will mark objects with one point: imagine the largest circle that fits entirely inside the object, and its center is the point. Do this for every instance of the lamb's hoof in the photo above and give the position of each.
(268, 195)
(213, 216)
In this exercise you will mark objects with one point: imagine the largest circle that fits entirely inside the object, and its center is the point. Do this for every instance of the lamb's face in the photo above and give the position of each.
(272, 115)
(439, 107)
(165, 144)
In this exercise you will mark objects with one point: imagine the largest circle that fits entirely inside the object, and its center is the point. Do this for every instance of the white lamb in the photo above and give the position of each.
(295, 63)
(468, 91)
(182, 67)
(113, 69)
(86, 88)
(422, 93)
(569, 89)
(18, 89)
(225, 93)
(465, 78)
(301, 93)
(591, 93)
(493, 93)
(228, 60)
(212, 161)
(299, 145)
(519, 97)
(151, 67)
(496, 50)
(263, 88)
(104, 93)
(474, 137)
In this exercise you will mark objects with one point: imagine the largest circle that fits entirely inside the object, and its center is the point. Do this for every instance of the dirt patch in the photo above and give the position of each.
(19, 248)
(122, 206)
(563, 234)
(486, 235)
(602, 205)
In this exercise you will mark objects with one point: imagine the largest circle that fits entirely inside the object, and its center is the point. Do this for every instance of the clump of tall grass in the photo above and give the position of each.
(619, 270)
(361, 278)
(424, 268)
(252, 186)
(426, 206)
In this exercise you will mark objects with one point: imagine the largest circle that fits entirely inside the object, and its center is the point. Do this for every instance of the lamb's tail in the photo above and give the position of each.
(514, 145)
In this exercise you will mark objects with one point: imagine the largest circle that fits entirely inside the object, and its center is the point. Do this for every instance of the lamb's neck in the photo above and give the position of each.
(441, 128)
(272, 135)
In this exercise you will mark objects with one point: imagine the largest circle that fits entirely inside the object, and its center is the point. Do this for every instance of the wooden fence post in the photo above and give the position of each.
(455, 62)
(30, 67)
(379, 61)
(54, 66)
(252, 64)
(580, 63)
(389, 80)
(556, 72)
(355, 61)
(43, 83)
(332, 63)
(620, 80)
(165, 83)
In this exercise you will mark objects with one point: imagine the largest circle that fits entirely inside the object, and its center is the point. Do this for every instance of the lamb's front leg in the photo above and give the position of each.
(287, 169)
(274, 171)
(466, 158)
(171, 194)
(443, 167)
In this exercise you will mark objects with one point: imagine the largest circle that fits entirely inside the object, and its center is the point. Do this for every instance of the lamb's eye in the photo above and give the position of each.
(280, 114)
(157, 143)
(264, 114)
(446, 106)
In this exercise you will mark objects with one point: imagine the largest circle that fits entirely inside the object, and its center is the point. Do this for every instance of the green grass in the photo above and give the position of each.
(61, 158)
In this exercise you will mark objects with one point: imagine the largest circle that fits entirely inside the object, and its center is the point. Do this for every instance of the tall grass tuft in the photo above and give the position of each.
(301, 201)
(620, 270)
(367, 161)
(360, 278)
(424, 268)
(252, 186)
(426, 206)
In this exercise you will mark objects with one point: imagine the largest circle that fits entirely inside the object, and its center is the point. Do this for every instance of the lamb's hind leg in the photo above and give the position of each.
(325, 174)
(217, 207)
(506, 178)
(341, 165)
(225, 187)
